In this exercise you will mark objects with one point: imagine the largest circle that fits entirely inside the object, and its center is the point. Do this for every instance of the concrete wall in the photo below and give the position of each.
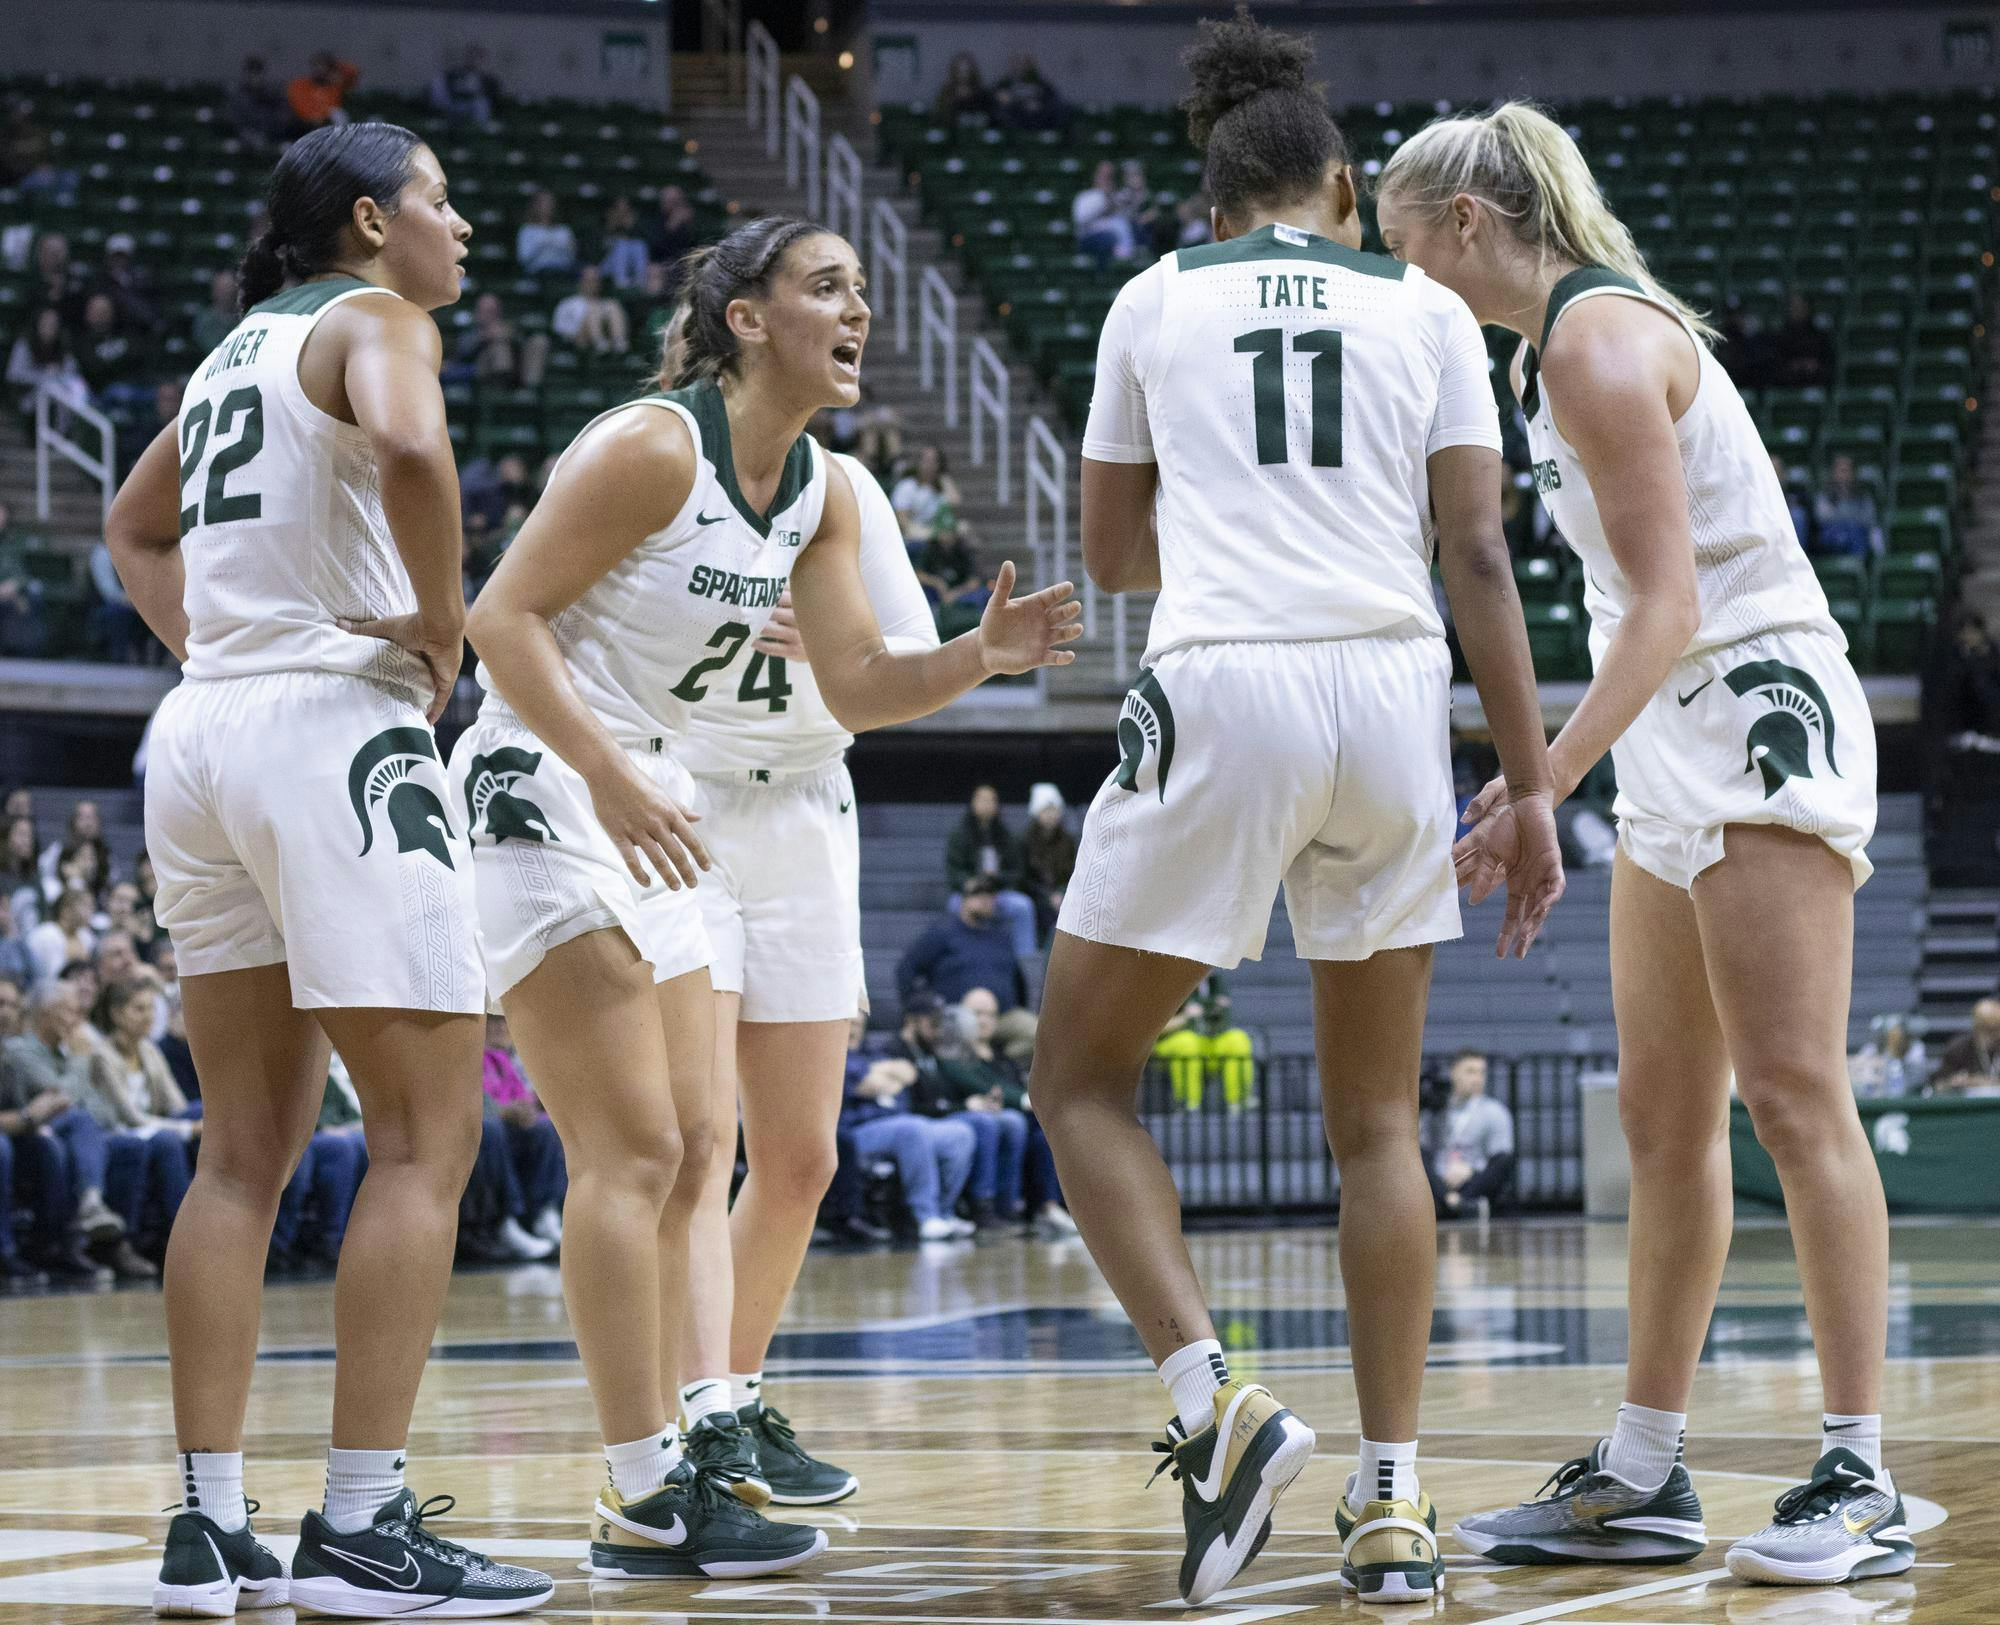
(593, 51)
(1738, 49)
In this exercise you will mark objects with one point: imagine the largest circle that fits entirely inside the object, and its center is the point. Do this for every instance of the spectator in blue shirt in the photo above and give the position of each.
(972, 949)
(933, 1156)
(1845, 513)
(625, 253)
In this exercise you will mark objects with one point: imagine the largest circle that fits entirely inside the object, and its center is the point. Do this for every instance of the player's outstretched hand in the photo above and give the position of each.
(1514, 843)
(780, 638)
(441, 656)
(1019, 634)
(644, 821)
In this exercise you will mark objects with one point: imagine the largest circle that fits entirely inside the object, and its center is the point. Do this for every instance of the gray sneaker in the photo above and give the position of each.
(1593, 1517)
(1846, 1522)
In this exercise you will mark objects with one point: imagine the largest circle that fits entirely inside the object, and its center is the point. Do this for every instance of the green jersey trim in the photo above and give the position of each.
(1585, 279)
(308, 297)
(1265, 244)
(704, 400)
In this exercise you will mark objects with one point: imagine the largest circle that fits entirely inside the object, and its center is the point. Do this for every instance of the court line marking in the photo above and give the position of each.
(1239, 1616)
(1583, 1605)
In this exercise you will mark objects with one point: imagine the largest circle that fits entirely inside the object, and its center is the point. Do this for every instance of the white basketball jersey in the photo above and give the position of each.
(650, 639)
(1290, 390)
(769, 715)
(282, 530)
(1752, 574)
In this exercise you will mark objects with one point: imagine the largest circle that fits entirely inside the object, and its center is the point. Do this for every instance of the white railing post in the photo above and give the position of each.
(760, 86)
(103, 467)
(843, 188)
(1045, 473)
(802, 141)
(937, 324)
(889, 256)
(987, 377)
(1120, 655)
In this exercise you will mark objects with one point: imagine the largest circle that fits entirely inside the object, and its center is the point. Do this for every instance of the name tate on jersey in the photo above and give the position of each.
(752, 592)
(1278, 288)
(240, 351)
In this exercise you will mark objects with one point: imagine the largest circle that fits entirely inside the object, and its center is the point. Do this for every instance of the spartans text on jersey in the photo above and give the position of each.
(752, 592)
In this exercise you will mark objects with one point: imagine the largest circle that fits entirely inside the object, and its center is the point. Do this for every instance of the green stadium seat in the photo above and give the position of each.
(1842, 575)
(1902, 632)
(1918, 576)
(1539, 581)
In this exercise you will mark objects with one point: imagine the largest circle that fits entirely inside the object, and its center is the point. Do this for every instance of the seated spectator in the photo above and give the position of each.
(315, 96)
(136, 433)
(969, 1088)
(981, 845)
(128, 284)
(493, 1214)
(951, 578)
(1800, 352)
(963, 94)
(532, 1142)
(118, 632)
(1798, 503)
(591, 320)
(27, 154)
(64, 937)
(217, 319)
(1048, 856)
(921, 493)
(1100, 230)
(984, 1070)
(625, 254)
(44, 358)
(1970, 1064)
(1962, 686)
(670, 235)
(17, 965)
(971, 949)
(1191, 223)
(315, 1206)
(496, 496)
(1024, 100)
(148, 1131)
(117, 959)
(1202, 1046)
(128, 913)
(870, 430)
(933, 1156)
(56, 280)
(1152, 226)
(84, 828)
(23, 632)
(44, 1077)
(111, 357)
(257, 109)
(21, 875)
(467, 93)
(1742, 348)
(15, 1268)
(544, 245)
(1474, 1158)
(494, 348)
(1845, 520)
(1894, 1061)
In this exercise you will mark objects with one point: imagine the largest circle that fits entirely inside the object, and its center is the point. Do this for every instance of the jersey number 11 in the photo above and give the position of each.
(1267, 391)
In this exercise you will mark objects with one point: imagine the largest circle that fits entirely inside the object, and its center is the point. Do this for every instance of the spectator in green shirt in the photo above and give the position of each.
(23, 631)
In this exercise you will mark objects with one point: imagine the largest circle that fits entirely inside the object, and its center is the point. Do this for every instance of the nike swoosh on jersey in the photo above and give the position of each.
(847, 806)
(1688, 699)
(1211, 1486)
(382, 1570)
(703, 519)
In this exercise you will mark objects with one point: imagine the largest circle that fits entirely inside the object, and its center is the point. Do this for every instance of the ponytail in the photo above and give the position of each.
(1524, 167)
(311, 201)
(738, 267)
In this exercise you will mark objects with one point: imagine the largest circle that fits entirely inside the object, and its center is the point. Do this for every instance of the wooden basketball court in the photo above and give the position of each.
(997, 1409)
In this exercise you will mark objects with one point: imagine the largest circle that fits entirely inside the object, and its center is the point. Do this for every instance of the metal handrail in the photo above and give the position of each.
(988, 388)
(51, 440)
(937, 324)
(889, 256)
(802, 141)
(760, 84)
(1045, 473)
(843, 188)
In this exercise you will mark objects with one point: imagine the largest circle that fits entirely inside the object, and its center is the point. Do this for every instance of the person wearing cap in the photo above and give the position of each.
(933, 1155)
(1048, 856)
(127, 284)
(982, 844)
(970, 949)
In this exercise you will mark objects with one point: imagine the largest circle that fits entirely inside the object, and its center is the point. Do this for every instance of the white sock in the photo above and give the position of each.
(641, 1467)
(1388, 1473)
(705, 1396)
(1192, 1376)
(1861, 1434)
(212, 1484)
(1644, 1445)
(748, 1388)
(357, 1483)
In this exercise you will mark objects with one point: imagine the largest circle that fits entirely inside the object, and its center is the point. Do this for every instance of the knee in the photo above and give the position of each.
(1662, 1130)
(1791, 1110)
(798, 1172)
(256, 1172)
(1360, 1124)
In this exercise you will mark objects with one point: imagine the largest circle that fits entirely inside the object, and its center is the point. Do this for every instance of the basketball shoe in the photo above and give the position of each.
(693, 1525)
(397, 1567)
(720, 1444)
(1389, 1550)
(796, 1479)
(1846, 1522)
(1231, 1474)
(1593, 1517)
(208, 1572)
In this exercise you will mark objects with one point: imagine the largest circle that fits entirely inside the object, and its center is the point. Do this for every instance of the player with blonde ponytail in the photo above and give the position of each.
(1746, 796)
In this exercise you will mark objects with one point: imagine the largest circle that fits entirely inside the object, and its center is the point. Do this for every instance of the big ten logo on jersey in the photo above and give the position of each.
(1290, 290)
(787, 538)
(1547, 476)
(238, 350)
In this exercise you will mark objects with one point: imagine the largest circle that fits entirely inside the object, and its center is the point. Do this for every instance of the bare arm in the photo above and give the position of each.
(143, 532)
(624, 480)
(865, 684)
(1121, 544)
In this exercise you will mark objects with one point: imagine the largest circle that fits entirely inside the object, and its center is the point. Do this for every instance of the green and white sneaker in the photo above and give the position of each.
(1231, 1474)
(1389, 1550)
(1594, 1516)
(397, 1567)
(208, 1572)
(796, 1479)
(1846, 1522)
(692, 1526)
(720, 1444)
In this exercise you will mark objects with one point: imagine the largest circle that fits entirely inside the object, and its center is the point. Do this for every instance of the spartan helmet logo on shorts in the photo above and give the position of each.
(489, 795)
(1145, 721)
(380, 774)
(1779, 744)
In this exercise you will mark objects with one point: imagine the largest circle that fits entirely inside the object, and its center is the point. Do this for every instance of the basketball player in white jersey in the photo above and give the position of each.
(313, 877)
(1282, 429)
(781, 900)
(1746, 796)
(667, 534)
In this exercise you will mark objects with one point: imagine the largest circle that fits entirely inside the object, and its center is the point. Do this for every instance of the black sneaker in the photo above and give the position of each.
(720, 1444)
(692, 1526)
(396, 1567)
(208, 1572)
(796, 1479)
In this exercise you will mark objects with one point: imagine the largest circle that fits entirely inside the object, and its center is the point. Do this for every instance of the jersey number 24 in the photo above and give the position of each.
(1267, 391)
